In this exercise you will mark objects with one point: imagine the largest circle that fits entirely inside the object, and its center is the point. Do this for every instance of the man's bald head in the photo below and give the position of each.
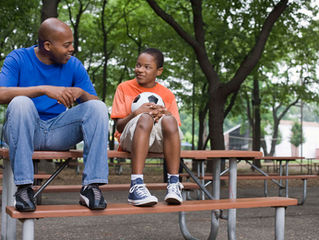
(51, 29)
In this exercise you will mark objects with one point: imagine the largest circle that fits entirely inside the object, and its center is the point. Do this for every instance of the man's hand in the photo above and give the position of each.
(65, 95)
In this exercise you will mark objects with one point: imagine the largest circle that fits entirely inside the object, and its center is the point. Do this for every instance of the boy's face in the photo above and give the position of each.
(146, 70)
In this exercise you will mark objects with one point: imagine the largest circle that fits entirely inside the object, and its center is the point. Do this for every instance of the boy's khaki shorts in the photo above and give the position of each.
(156, 136)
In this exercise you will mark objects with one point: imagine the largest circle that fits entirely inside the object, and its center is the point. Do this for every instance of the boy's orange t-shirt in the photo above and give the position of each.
(126, 93)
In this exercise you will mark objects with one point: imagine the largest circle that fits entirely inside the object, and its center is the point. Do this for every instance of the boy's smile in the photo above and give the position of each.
(146, 70)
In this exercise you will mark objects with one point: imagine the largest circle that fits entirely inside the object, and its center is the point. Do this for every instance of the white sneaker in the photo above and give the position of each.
(174, 194)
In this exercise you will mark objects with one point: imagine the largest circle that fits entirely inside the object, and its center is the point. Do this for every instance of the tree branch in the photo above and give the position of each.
(254, 55)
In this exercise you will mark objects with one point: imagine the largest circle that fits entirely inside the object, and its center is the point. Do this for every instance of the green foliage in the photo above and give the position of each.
(297, 137)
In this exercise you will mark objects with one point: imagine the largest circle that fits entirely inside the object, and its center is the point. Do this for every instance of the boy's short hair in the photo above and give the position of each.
(157, 54)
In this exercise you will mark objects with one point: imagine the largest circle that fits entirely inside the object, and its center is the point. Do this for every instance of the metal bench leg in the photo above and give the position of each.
(304, 195)
(265, 188)
(8, 224)
(28, 229)
(280, 223)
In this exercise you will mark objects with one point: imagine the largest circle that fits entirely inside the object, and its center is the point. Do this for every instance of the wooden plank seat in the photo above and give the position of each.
(54, 211)
(304, 178)
(113, 187)
(110, 187)
(40, 176)
(256, 177)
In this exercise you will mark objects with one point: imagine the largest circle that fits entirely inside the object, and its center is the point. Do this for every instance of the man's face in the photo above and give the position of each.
(61, 46)
(146, 70)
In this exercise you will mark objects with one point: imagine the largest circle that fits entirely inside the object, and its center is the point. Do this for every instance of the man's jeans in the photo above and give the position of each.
(25, 132)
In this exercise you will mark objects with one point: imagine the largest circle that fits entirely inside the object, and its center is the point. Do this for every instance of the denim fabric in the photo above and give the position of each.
(25, 132)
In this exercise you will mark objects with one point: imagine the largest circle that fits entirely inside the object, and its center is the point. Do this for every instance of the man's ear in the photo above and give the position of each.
(159, 71)
(47, 46)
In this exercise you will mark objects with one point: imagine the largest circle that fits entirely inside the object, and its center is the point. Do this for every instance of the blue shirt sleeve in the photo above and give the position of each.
(9, 75)
(81, 78)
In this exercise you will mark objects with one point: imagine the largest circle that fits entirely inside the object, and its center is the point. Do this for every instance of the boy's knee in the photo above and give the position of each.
(169, 124)
(145, 122)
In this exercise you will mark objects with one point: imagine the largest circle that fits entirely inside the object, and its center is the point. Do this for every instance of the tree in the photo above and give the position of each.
(219, 91)
(49, 9)
(297, 137)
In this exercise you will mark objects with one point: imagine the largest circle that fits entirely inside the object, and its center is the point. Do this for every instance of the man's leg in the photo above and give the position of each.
(22, 123)
(87, 121)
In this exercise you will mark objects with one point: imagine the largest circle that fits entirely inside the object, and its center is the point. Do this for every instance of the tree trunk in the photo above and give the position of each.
(49, 9)
(256, 122)
(105, 55)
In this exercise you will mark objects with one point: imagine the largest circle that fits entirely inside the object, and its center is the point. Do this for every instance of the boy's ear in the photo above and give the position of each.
(159, 71)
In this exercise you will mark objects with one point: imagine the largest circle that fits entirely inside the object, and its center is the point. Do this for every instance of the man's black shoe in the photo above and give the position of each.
(91, 197)
(24, 201)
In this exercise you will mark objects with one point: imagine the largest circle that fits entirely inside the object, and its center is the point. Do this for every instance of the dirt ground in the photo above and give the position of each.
(301, 221)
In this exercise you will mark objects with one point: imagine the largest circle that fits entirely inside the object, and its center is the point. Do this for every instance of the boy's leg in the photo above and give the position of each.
(21, 129)
(171, 143)
(140, 143)
(171, 149)
(137, 138)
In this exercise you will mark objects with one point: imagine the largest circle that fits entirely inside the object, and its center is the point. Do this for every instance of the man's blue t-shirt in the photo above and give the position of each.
(22, 68)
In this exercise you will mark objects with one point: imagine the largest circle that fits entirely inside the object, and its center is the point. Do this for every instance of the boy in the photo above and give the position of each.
(150, 128)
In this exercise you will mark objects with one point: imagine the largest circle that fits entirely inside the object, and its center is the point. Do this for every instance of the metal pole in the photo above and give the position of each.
(232, 195)
(8, 228)
(280, 223)
(28, 229)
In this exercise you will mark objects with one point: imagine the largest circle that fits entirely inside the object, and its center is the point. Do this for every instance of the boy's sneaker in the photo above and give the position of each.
(91, 197)
(174, 188)
(24, 201)
(139, 194)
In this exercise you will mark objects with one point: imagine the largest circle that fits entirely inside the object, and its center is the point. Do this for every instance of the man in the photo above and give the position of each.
(42, 84)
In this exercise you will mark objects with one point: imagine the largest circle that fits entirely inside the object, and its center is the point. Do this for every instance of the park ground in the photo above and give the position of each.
(301, 221)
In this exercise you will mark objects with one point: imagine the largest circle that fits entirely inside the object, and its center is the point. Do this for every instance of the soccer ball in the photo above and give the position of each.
(146, 97)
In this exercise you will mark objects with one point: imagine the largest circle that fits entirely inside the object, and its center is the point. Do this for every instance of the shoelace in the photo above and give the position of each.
(175, 187)
(141, 190)
(96, 192)
(24, 194)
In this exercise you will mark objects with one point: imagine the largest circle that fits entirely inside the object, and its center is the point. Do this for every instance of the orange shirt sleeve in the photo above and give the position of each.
(119, 106)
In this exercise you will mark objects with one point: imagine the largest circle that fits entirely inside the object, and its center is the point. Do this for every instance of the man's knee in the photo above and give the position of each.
(97, 109)
(21, 105)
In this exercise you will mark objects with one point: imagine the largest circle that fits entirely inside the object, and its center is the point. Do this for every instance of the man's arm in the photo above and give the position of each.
(64, 95)
(8, 93)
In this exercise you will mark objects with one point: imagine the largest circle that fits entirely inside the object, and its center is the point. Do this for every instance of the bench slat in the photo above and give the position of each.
(36, 176)
(109, 187)
(190, 154)
(44, 211)
(113, 187)
(259, 177)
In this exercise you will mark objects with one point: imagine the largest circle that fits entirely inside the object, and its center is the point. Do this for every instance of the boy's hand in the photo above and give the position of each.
(158, 112)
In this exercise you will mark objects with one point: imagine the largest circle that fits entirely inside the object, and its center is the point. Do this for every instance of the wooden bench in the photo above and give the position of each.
(304, 178)
(9, 226)
(109, 187)
(54, 211)
(41, 176)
